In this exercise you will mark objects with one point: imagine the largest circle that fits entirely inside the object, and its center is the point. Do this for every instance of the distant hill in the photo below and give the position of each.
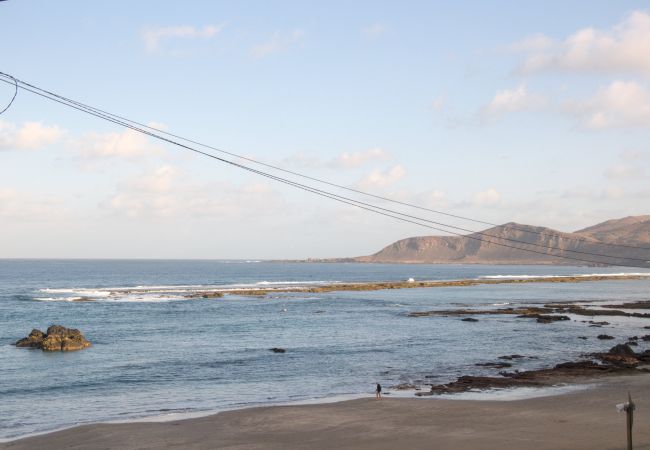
(633, 230)
(481, 248)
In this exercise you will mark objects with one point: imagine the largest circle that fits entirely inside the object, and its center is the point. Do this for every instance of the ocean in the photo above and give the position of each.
(158, 354)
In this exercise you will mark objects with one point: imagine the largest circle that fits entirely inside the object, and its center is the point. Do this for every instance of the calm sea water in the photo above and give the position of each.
(157, 353)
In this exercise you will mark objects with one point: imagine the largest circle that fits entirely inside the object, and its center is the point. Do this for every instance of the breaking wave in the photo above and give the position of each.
(581, 275)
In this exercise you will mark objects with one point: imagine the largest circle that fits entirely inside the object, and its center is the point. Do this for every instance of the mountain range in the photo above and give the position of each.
(614, 242)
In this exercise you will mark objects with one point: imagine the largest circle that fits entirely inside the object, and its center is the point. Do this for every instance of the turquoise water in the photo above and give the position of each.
(156, 353)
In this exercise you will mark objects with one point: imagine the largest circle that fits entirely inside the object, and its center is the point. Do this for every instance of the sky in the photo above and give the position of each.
(533, 112)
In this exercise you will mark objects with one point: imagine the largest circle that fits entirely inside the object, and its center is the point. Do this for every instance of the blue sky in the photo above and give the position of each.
(537, 113)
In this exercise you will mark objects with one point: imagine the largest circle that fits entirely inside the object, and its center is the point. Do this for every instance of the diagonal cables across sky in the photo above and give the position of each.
(327, 189)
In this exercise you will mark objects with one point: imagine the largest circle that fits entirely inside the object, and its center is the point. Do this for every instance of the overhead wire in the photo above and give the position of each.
(320, 180)
(351, 189)
(11, 102)
(374, 208)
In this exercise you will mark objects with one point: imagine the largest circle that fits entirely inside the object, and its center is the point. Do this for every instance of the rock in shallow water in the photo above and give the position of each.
(56, 338)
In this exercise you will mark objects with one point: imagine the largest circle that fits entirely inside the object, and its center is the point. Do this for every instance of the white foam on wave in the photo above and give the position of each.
(580, 275)
(283, 283)
(57, 299)
(83, 292)
(516, 393)
(146, 299)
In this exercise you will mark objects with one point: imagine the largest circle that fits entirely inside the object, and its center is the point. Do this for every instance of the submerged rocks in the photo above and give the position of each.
(208, 294)
(620, 355)
(542, 318)
(605, 337)
(277, 350)
(406, 387)
(496, 365)
(469, 319)
(511, 357)
(619, 360)
(467, 383)
(56, 338)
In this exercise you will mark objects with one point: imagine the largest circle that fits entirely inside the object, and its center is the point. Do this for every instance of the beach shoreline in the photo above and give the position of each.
(625, 313)
(580, 419)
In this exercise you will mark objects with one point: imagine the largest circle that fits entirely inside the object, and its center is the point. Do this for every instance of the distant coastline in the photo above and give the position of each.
(617, 242)
(405, 284)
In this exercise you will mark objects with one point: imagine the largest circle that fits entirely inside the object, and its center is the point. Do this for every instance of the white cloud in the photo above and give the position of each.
(632, 166)
(381, 179)
(428, 199)
(277, 43)
(624, 172)
(345, 160)
(356, 159)
(439, 103)
(621, 104)
(158, 126)
(513, 100)
(623, 48)
(304, 160)
(373, 31)
(128, 144)
(16, 205)
(30, 136)
(489, 197)
(534, 43)
(153, 37)
(160, 181)
(169, 193)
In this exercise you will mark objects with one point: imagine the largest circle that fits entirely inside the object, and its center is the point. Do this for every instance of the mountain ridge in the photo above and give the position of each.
(494, 246)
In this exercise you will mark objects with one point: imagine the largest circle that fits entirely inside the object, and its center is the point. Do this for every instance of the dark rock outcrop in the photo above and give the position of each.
(620, 355)
(56, 338)
(544, 318)
(496, 365)
(605, 337)
(622, 349)
(511, 357)
(277, 350)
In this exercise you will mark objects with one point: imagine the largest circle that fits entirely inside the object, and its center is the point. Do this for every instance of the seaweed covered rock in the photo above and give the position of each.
(622, 349)
(605, 337)
(56, 338)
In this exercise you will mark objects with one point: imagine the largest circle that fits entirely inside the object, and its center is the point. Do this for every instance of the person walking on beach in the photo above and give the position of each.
(378, 391)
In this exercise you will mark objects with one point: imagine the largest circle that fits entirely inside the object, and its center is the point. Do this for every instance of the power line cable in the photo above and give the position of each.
(353, 202)
(14, 96)
(513, 225)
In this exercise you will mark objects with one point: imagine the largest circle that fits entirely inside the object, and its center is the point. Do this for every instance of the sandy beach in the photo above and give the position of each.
(585, 419)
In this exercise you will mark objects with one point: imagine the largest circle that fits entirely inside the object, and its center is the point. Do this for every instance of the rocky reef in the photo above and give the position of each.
(56, 338)
(619, 360)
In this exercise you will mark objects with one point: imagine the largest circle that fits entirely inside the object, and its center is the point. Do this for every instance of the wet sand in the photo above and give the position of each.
(584, 419)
